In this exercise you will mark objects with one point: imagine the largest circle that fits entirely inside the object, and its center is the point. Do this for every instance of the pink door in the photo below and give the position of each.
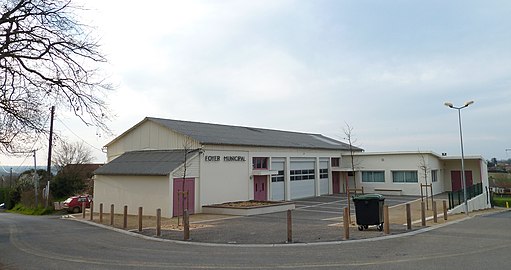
(260, 186)
(187, 197)
(336, 182)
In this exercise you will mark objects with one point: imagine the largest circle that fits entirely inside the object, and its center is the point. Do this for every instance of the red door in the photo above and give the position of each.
(456, 180)
(260, 186)
(188, 196)
(336, 182)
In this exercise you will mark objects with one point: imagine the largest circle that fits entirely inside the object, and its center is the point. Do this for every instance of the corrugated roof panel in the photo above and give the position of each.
(150, 162)
(234, 135)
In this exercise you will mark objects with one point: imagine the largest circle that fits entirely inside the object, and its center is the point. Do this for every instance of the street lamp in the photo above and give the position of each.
(463, 182)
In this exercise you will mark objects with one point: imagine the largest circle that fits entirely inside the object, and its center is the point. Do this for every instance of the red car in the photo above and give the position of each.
(74, 204)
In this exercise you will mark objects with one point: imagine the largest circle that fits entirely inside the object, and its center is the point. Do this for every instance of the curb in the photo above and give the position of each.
(344, 242)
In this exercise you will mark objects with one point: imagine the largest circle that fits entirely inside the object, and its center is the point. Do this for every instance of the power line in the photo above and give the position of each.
(76, 134)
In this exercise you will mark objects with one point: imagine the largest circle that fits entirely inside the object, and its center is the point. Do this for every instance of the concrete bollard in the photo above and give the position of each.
(91, 210)
(101, 213)
(444, 204)
(112, 214)
(346, 223)
(386, 222)
(435, 214)
(83, 210)
(289, 227)
(423, 214)
(186, 225)
(408, 217)
(140, 219)
(158, 222)
(125, 218)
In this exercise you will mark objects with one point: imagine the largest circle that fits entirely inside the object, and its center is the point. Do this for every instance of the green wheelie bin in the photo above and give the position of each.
(369, 210)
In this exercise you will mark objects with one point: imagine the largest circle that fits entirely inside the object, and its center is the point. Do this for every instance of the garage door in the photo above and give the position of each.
(277, 181)
(302, 179)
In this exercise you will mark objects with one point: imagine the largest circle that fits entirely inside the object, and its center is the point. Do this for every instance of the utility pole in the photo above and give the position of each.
(10, 179)
(48, 168)
(36, 181)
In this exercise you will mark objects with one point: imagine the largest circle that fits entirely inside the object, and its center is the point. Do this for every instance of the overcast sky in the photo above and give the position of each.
(384, 67)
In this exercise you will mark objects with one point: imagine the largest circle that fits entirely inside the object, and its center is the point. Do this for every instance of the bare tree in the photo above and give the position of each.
(423, 166)
(71, 153)
(187, 145)
(46, 58)
(348, 133)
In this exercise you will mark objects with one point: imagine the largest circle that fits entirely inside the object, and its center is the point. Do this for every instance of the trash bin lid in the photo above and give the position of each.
(370, 197)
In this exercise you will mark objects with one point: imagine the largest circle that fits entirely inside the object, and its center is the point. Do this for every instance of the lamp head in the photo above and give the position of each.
(448, 104)
(468, 103)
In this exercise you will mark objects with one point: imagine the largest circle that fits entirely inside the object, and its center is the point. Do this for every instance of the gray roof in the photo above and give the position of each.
(217, 134)
(149, 162)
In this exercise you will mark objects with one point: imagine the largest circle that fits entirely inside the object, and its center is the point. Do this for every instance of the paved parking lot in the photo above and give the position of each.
(332, 206)
(315, 219)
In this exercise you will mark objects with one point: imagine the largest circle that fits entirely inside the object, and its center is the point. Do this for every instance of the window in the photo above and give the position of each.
(373, 176)
(279, 177)
(260, 163)
(335, 162)
(434, 175)
(323, 173)
(405, 177)
(297, 175)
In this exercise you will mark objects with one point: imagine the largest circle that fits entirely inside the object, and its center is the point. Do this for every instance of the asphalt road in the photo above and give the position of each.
(28, 242)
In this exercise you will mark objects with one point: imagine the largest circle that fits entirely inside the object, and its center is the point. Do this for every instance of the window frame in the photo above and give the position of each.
(279, 177)
(302, 174)
(372, 173)
(262, 161)
(434, 176)
(335, 161)
(405, 178)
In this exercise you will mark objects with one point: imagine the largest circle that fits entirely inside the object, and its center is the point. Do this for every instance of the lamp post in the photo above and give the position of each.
(463, 182)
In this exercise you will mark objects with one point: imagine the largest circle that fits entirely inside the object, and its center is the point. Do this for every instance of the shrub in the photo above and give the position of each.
(19, 208)
(501, 201)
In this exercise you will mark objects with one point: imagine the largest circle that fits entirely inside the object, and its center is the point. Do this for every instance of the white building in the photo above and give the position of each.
(146, 167)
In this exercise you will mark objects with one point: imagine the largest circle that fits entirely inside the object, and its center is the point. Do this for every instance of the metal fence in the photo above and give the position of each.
(456, 197)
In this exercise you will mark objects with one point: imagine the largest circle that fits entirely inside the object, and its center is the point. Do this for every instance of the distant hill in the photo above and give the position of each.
(6, 170)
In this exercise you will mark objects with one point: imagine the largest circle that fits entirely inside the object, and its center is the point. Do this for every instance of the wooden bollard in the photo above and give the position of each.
(386, 222)
(289, 227)
(408, 217)
(91, 210)
(140, 219)
(83, 209)
(435, 214)
(423, 214)
(158, 222)
(112, 214)
(125, 218)
(346, 223)
(186, 225)
(101, 213)
(444, 204)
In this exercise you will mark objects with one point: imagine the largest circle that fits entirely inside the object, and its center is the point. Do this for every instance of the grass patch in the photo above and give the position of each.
(21, 209)
(501, 201)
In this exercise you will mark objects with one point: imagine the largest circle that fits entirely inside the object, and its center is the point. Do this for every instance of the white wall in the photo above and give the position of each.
(286, 155)
(412, 161)
(223, 181)
(397, 162)
(477, 203)
(150, 192)
(149, 135)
